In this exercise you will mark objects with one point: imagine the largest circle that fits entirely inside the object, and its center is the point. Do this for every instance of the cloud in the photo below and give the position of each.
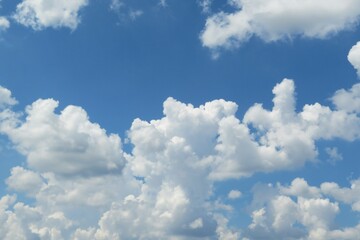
(124, 12)
(354, 57)
(116, 5)
(25, 181)
(234, 194)
(40, 14)
(265, 19)
(74, 168)
(205, 5)
(299, 211)
(4, 23)
(67, 143)
(347, 195)
(348, 100)
(334, 155)
(163, 3)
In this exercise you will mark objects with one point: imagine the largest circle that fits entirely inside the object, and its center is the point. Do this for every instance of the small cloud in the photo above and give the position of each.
(51, 13)
(234, 194)
(116, 5)
(163, 3)
(334, 155)
(4, 24)
(205, 5)
(134, 14)
(196, 224)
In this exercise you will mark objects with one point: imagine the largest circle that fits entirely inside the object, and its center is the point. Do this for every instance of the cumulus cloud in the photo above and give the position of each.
(265, 19)
(347, 195)
(26, 181)
(75, 168)
(348, 100)
(298, 211)
(66, 143)
(40, 14)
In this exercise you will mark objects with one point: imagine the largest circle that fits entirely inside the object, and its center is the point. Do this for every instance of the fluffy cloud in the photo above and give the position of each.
(234, 194)
(67, 144)
(265, 19)
(4, 23)
(354, 57)
(5, 98)
(26, 181)
(74, 168)
(348, 100)
(347, 195)
(298, 211)
(40, 14)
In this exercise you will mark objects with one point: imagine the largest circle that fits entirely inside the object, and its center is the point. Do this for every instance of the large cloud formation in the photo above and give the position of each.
(82, 185)
(40, 14)
(272, 20)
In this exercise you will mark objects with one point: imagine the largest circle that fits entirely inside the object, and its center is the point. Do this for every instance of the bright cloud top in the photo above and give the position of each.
(273, 20)
(40, 14)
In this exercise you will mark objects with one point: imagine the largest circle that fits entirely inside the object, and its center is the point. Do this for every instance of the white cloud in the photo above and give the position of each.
(299, 211)
(134, 14)
(116, 5)
(205, 5)
(348, 100)
(198, 223)
(347, 195)
(66, 143)
(300, 188)
(354, 57)
(334, 155)
(124, 12)
(6, 99)
(40, 14)
(4, 23)
(74, 168)
(273, 20)
(234, 194)
(22, 180)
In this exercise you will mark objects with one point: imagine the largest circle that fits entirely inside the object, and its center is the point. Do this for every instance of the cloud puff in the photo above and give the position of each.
(298, 211)
(40, 14)
(265, 19)
(347, 195)
(6, 99)
(4, 23)
(67, 143)
(354, 57)
(234, 194)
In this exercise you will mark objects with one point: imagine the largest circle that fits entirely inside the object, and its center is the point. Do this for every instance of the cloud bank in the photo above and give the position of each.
(82, 185)
(74, 168)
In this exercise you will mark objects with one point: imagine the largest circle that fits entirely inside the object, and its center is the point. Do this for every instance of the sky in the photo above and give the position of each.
(169, 119)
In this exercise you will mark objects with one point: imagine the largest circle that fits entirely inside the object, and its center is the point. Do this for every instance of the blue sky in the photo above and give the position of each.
(134, 119)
